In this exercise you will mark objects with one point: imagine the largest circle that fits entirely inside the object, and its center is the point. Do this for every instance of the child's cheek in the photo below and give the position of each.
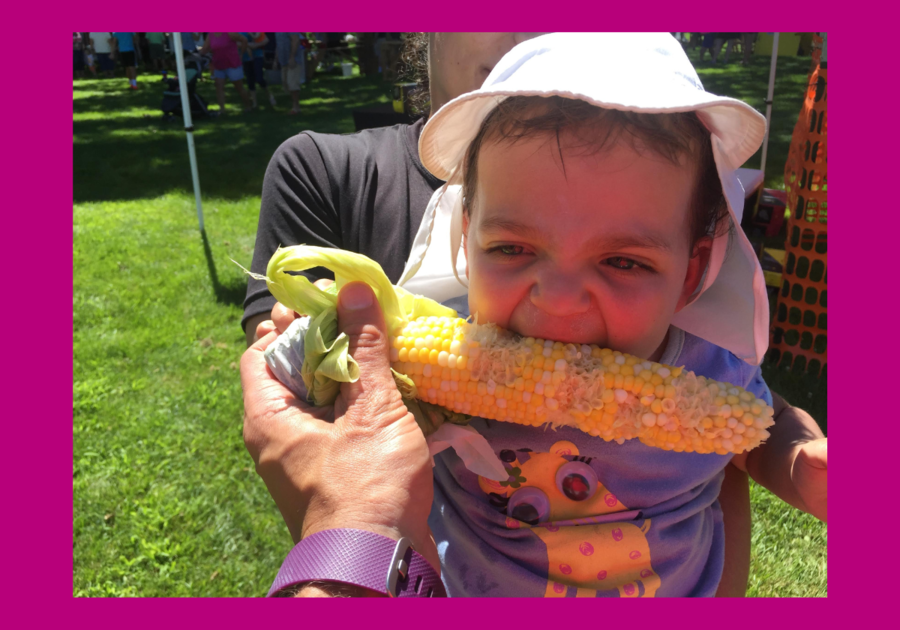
(638, 316)
(493, 291)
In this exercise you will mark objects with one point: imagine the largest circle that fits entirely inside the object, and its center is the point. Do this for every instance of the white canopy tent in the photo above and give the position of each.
(765, 148)
(188, 124)
(771, 92)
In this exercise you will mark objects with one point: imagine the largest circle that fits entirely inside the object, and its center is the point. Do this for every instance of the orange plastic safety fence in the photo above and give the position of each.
(799, 327)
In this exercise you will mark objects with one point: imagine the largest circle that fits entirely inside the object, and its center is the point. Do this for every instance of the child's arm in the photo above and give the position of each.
(240, 40)
(255, 45)
(793, 462)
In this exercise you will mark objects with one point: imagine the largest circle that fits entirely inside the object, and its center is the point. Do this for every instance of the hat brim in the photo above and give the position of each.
(444, 140)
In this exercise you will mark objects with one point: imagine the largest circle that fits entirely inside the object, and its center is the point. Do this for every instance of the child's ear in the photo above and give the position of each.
(696, 269)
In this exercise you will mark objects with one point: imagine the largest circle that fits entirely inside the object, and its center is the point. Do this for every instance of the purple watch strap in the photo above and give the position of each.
(361, 558)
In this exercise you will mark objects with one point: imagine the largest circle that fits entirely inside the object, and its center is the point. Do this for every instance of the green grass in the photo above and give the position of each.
(789, 550)
(750, 84)
(166, 501)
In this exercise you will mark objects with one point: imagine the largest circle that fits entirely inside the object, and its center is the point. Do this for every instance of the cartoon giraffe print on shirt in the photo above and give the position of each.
(594, 545)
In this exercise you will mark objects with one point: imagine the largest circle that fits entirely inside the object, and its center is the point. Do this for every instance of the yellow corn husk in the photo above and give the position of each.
(482, 370)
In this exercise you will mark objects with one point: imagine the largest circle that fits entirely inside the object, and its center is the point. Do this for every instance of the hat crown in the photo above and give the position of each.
(639, 57)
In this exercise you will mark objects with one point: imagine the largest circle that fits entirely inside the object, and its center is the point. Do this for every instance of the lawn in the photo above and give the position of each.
(166, 501)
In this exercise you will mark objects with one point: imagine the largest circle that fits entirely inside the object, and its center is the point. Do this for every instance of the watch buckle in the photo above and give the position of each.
(398, 570)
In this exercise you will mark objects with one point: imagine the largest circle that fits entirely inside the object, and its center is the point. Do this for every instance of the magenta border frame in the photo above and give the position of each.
(38, 523)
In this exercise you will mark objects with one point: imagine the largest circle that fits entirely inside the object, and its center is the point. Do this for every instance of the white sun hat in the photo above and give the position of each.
(636, 72)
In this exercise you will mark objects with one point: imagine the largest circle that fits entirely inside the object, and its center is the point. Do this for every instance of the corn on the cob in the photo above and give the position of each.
(482, 370)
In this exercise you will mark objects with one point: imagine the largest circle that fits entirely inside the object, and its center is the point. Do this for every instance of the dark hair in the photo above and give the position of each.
(668, 135)
(414, 69)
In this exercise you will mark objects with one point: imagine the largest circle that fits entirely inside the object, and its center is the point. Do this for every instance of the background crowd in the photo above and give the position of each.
(258, 60)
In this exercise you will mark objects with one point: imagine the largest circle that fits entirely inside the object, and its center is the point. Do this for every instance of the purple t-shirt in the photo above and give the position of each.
(646, 522)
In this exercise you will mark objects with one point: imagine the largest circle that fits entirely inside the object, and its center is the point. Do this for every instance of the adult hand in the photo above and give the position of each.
(810, 476)
(363, 463)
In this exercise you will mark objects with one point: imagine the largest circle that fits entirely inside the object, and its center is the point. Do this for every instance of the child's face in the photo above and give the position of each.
(598, 253)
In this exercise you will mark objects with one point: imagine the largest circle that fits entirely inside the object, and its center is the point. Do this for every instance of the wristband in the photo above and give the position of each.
(360, 558)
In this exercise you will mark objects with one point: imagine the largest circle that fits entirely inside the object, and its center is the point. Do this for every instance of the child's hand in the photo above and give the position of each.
(810, 477)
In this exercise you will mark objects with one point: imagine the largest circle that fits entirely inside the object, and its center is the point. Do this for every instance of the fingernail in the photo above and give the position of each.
(356, 297)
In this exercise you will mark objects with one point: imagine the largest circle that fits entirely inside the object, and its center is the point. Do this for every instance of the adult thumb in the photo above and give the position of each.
(374, 394)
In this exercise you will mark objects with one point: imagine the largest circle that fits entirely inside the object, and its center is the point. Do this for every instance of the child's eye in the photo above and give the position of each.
(620, 263)
(507, 250)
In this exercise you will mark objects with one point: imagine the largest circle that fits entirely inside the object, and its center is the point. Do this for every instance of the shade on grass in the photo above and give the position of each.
(166, 501)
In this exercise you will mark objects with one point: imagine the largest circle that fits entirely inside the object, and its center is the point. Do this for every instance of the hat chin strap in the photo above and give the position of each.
(426, 271)
(733, 191)
(456, 228)
(731, 309)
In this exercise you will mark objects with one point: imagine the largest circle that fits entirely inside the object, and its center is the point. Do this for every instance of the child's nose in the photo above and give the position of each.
(560, 295)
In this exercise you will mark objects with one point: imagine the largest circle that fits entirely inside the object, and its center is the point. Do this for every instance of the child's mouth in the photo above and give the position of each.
(576, 330)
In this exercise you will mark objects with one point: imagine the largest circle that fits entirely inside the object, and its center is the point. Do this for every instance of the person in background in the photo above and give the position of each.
(254, 61)
(189, 47)
(747, 40)
(157, 50)
(188, 42)
(89, 57)
(380, 39)
(269, 50)
(719, 40)
(142, 50)
(290, 58)
(78, 45)
(123, 47)
(706, 44)
(101, 44)
(226, 49)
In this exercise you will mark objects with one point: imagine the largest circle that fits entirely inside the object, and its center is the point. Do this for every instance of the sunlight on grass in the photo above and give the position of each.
(135, 112)
(157, 406)
(789, 556)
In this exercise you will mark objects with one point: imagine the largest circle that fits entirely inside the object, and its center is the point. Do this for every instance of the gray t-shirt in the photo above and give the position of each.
(364, 192)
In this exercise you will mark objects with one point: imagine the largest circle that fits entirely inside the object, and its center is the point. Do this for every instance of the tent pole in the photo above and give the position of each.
(188, 124)
(771, 93)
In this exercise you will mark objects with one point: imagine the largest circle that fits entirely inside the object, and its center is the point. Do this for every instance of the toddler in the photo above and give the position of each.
(592, 189)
